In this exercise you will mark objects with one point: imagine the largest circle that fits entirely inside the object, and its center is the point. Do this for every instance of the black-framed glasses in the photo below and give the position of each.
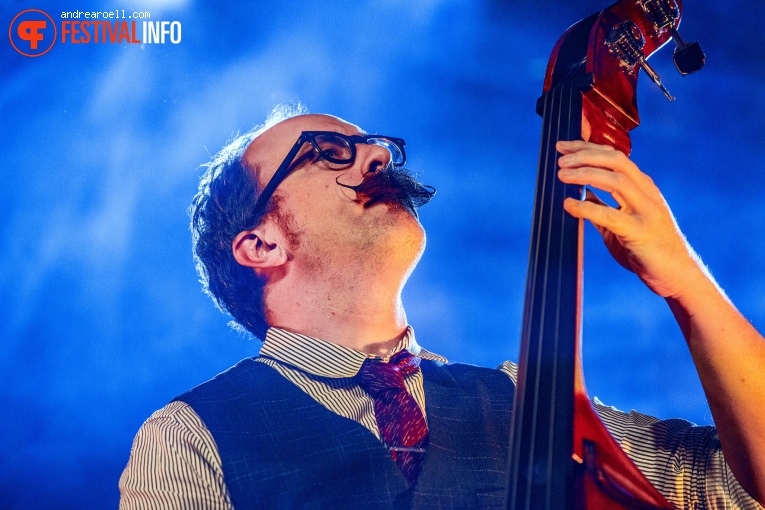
(334, 147)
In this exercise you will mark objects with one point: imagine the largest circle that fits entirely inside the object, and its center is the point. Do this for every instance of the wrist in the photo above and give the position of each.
(693, 279)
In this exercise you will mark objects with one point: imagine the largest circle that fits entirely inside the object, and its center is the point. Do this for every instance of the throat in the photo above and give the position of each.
(348, 312)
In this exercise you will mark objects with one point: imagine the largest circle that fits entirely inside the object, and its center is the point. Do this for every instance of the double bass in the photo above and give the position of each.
(561, 455)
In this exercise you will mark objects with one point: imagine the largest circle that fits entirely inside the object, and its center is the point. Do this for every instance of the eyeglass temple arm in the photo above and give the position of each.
(280, 174)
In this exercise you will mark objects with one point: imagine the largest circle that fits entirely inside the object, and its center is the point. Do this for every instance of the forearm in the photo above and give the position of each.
(730, 358)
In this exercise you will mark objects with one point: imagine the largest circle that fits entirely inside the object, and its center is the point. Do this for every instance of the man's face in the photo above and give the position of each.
(330, 222)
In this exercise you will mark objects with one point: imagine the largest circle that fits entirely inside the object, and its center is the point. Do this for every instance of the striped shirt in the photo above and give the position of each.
(174, 462)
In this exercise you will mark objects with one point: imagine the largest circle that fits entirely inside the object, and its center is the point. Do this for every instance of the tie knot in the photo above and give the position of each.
(377, 376)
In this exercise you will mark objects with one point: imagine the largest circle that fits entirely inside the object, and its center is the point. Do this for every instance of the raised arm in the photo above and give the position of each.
(643, 236)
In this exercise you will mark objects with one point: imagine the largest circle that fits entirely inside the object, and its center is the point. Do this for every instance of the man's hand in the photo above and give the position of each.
(728, 352)
(641, 234)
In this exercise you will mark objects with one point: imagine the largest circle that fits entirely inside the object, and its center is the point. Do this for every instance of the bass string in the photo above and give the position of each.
(547, 200)
(565, 111)
(520, 405)
(544, 195)
(555, 192)
(543, 334)
(554, 112)
(555, 273)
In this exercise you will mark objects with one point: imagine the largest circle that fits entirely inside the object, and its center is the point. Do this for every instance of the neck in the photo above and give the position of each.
(362, 311)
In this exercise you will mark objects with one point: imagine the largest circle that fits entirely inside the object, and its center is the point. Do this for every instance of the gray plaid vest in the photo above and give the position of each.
(282, 449)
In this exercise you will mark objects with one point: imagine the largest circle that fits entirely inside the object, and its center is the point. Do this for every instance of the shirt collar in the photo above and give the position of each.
(325, 359)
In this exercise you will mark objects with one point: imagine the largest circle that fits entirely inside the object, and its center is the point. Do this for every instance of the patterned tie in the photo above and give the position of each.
(399, 418)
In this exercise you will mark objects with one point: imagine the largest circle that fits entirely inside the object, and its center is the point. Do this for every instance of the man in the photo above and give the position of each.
(305, 232)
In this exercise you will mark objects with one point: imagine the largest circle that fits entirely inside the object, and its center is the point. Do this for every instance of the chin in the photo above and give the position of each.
(409, 237)
(398, 232)
(403, 215)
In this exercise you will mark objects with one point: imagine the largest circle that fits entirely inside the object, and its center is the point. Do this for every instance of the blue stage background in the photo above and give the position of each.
(103, 320)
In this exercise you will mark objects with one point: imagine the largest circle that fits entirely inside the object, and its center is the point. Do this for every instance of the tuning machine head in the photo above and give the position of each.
(663, 14)
(688, 57)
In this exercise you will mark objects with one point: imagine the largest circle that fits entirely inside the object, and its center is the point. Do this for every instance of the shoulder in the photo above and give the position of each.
(684, 461)
(673, 435)
(510, 369)
(174, 424)
(175, 428)
(173, 461)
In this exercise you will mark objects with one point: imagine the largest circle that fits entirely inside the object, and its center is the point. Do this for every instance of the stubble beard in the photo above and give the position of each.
(381, 249)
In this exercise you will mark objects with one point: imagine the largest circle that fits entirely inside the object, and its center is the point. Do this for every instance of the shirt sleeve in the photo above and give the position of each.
(174, 463)
(683, 461)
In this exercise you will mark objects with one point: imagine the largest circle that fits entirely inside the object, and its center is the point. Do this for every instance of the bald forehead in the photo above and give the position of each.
(268, 150)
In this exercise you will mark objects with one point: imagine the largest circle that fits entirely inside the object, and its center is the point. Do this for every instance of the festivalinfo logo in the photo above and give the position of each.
(34, 32)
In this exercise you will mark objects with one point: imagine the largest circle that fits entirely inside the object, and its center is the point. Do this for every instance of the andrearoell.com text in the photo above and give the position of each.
(113, 27)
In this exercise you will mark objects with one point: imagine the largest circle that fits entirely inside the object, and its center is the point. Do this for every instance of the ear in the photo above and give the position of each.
(260, 248)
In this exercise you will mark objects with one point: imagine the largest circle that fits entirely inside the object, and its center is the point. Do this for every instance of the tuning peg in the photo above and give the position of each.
(626, 42)
(655, 78)
(688, 57)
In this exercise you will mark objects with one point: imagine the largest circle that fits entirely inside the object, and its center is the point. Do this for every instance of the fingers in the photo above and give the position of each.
(590, 196)
(580, 154)
(569, 146)
(604, 168)
(624, 191)
(590, 154)
(607, 169)
(602, 216)
(642, 233)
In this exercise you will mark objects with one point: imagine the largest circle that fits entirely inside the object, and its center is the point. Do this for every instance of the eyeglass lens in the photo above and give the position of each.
(334, 147)
(338, 149)
(396, 155)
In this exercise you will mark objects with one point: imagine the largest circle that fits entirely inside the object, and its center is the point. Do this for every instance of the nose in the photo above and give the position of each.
(373, 157)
